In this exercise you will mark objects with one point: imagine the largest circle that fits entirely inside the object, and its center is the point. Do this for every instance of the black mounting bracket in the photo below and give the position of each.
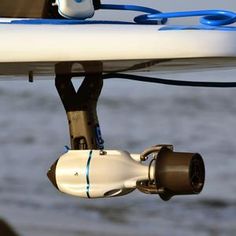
(81, 105)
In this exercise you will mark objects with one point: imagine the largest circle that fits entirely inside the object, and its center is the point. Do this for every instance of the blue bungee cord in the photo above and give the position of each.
(208, 18)
(149, 11)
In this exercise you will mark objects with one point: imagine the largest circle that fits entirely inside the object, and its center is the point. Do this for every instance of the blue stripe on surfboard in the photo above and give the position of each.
(92, 22)
(197, 27)
(63, 22)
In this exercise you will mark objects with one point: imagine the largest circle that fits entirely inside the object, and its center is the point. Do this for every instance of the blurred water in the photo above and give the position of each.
(133, 116)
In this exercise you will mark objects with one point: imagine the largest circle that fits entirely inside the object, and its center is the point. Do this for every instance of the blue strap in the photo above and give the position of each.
(208, 17)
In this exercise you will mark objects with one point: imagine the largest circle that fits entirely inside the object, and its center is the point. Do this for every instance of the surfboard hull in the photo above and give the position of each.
(37, 48)
(20, 69)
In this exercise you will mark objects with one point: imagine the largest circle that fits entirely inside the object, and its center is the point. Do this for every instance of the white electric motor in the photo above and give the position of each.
(93, 174)
(110, 173)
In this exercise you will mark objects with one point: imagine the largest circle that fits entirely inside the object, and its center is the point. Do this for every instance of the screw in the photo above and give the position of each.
(102, 152)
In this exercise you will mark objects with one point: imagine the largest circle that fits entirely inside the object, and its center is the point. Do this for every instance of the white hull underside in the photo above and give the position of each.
(36, 49)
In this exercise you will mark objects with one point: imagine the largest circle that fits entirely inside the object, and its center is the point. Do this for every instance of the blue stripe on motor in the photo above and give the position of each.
(87, 173)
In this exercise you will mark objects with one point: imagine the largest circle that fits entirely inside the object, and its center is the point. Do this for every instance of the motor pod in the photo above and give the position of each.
(111, 173)
(178, 173)
(98, 174)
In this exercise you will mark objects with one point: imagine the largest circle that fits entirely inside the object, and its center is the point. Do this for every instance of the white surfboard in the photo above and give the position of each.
(36, 46)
